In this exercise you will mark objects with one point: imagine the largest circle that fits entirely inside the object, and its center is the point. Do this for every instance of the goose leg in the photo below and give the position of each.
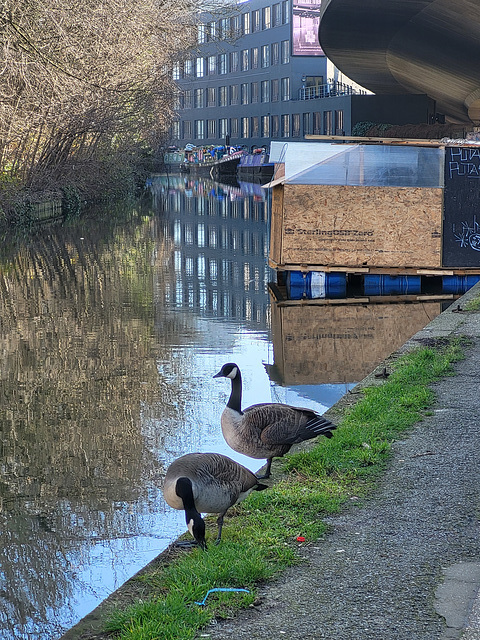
(267, 470)
(220, 525)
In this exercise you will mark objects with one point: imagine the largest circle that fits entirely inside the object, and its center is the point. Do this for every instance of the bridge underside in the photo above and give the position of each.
(409, 46)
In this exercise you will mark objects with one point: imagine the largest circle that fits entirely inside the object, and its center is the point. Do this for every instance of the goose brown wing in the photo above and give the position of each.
(294, 426)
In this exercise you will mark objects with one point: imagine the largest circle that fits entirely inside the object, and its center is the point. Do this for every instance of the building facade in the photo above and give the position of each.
(259, 74)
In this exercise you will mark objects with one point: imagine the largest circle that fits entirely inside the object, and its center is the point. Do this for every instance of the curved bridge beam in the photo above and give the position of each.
(409, 46)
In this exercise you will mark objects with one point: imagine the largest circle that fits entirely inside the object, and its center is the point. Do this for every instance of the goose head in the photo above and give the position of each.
(229, 370)
(195, 523)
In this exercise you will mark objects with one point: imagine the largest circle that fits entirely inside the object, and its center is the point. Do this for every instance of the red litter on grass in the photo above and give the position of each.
(300, 539)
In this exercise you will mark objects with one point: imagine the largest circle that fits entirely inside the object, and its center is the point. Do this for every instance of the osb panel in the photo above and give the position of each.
(355, 226)
(342, 343)
(276, 227)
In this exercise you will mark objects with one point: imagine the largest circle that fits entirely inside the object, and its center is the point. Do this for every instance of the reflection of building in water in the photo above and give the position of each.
(316, 344)
(220, 247)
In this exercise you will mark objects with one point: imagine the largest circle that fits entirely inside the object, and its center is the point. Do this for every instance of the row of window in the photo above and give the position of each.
(257, 57)
(245, 23)
(246, 93)
(295, 125)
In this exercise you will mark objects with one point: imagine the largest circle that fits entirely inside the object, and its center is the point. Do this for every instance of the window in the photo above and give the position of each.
(235, 26)
(202, 33)
(244, 93)
(266, 18)
(234, 61)
(285, 126)
(212, 30)
(285, 89)
(317, 123)
(255, 127)
(187, 130)
(245, 23)
(176, 71)
(222, 63)
(285, 12)
(306, 123)
(223, 127)
(275, 53)
(265, 56)
(254, 92)
(187, 99)
(275, 126)
(277, 14)
(223, 28)
(255, 58)
(222, 97)
(188, 68)
(256, 20)
(200, 68)
(211, 128)
(211, 97)
(199, 129)
(176, 130)
(212, 65)
(285, 51)
(244, 60)
(295, 125)
(199, 100)
(327, 123)
(265, 91)
(339, 122)
(245, 124)
(234, 94)
(234, 127)
(265, 126)
(275, 94)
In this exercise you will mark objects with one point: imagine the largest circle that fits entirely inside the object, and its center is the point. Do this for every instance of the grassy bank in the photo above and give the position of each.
(263, 535)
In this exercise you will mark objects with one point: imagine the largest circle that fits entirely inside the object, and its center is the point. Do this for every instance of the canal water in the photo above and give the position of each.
(111, 328)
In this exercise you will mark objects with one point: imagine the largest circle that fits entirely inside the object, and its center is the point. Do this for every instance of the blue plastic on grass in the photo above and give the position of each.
(201, 604)
(316, 284)
(458, 284)
(384, 285)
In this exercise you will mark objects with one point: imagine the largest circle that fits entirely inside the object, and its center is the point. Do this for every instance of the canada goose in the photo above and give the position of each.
(206, 483)
(266, 430)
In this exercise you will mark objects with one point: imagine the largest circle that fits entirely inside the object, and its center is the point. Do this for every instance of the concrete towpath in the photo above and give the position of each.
(404, 564)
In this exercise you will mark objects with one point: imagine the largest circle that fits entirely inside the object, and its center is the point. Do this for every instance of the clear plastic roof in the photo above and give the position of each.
(370, 165)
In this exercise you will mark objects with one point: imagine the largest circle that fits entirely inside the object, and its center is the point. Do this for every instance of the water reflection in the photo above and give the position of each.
(111, 329)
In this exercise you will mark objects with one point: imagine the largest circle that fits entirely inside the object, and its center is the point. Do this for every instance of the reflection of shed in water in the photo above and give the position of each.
(364, 207)
(333, 343)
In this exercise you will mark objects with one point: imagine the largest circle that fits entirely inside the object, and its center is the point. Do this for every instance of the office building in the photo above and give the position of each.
(259, 74)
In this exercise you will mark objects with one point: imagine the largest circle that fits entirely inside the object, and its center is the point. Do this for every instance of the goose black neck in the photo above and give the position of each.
(184, 491)
(235, 400)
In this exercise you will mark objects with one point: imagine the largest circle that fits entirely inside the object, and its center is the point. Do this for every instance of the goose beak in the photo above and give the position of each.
(218, 375)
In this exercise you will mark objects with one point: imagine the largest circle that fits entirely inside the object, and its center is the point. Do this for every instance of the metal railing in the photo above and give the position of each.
(328, 90)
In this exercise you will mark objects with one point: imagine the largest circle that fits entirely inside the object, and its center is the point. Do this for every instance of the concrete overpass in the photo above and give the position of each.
(409, 46)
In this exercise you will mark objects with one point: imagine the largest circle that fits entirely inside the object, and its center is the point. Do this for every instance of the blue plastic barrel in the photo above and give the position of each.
(296, 285)
(458, 284)
(326, 285)
(316, 284)
(384, 285)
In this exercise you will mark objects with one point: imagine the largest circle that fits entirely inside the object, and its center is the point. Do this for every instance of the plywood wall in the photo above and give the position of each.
(356, 226)
(342, 343)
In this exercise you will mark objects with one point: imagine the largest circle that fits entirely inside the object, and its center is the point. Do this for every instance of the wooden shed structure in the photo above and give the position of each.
(366, 206)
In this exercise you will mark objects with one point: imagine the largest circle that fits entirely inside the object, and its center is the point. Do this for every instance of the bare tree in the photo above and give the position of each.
(82, 81)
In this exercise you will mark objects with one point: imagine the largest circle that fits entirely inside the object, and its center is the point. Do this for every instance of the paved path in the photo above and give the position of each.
(405, 564)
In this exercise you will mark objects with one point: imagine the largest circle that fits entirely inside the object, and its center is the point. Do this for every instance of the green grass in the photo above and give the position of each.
(260, 536)
(473, 304)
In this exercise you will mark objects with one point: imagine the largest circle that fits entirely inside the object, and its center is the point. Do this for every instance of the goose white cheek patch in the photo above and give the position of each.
(190, 527)
(233, 373)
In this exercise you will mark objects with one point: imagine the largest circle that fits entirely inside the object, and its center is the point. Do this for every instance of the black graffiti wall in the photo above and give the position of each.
(461, 216)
